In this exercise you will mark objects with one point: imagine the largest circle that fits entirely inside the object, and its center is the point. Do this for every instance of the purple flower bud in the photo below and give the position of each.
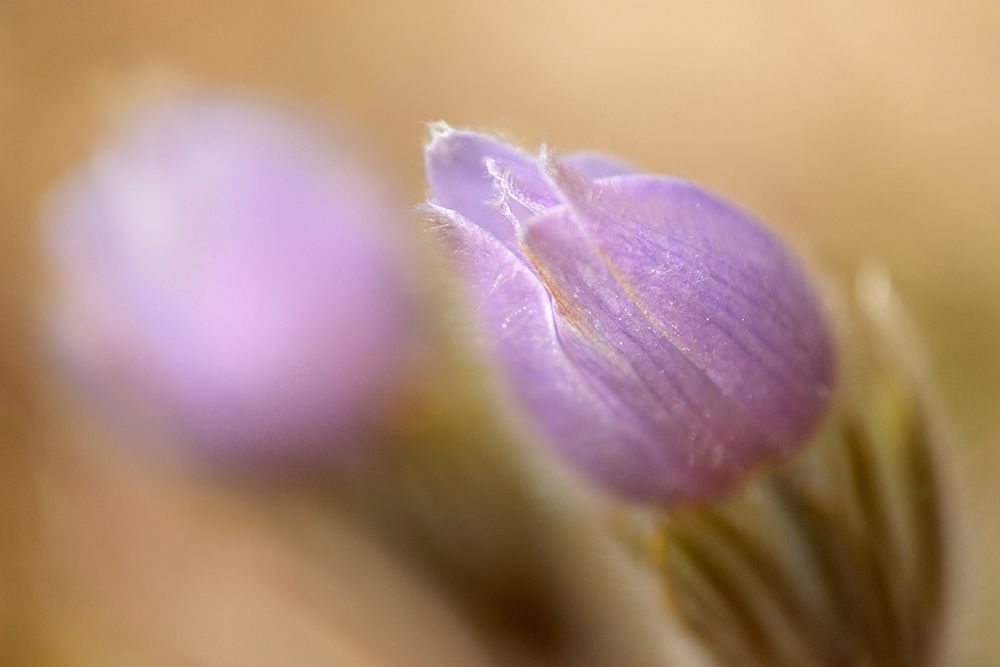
(664, 341)
(227, 272)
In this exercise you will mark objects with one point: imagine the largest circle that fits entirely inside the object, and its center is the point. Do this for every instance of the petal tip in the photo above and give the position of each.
(570, 185)
(436, 131)
(434, 212)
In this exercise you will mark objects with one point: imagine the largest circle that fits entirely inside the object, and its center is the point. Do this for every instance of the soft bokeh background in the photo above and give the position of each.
(861, 130)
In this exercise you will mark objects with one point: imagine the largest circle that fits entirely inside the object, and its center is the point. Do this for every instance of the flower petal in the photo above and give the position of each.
(702, 439)
(494, 184)
(596, 165)
(721, 288)
(460, 180)
(612, 445)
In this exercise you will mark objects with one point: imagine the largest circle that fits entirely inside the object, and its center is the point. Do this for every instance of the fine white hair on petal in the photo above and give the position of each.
(436, 130)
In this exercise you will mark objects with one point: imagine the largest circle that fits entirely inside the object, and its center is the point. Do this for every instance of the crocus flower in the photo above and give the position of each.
(227, 271)
(662, 340)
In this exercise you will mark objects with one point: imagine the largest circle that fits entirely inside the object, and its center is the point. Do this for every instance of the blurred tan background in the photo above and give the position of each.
(862, 130)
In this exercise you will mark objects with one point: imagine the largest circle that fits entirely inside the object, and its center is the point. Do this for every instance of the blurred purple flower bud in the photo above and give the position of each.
(226, 271)
(664, 340)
